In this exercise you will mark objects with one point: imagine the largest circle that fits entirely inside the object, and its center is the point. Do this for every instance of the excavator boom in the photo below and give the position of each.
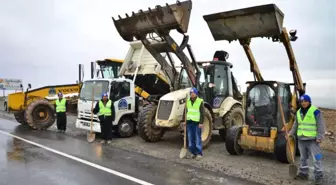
(160, 21)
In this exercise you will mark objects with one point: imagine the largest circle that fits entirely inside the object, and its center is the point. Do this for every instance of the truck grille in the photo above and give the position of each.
(165, 108)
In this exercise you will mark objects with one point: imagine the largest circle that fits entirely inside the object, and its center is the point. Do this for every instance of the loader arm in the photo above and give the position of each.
(253, 64)
(299, 86)
(161, 21)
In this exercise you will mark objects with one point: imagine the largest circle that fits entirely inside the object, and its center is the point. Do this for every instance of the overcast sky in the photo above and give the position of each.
(43, 41)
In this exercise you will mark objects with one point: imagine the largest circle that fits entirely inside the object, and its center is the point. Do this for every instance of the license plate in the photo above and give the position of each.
(86, 124)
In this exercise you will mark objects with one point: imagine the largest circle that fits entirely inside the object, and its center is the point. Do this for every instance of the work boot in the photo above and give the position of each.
(191, 156)
(198, 157)
(301, 176)
(318, 180)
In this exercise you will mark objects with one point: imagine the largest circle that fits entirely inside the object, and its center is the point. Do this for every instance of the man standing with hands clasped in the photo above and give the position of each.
(61, 104)
(106, 115)
(195, 112)
(309, 127)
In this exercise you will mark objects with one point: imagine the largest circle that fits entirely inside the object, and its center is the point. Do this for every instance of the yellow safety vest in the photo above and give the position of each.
(105, 110)
(307, 127)
(193, 110)
(60, 105)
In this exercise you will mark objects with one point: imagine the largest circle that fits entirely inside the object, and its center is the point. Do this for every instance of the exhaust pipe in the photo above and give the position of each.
(159, 20)
(257, 21)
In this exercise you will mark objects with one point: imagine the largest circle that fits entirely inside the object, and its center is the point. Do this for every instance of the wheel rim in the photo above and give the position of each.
(206, 129)
(125, 127)
(40, 114)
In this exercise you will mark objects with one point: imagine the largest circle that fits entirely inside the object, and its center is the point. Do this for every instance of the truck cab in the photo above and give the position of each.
(124, 81)
(121, 92)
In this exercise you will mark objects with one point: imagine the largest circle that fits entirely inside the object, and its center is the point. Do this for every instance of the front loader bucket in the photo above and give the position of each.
(161, 19)
(257, 21)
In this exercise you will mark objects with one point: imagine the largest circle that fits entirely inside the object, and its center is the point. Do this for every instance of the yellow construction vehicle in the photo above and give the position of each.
(35, 107)
(213, 78)
(263, 130)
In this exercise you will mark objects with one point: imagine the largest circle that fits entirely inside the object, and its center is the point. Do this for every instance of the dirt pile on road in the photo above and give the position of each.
(330, 119)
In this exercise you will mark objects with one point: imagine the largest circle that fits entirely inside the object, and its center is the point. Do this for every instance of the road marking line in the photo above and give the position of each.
(136, 180)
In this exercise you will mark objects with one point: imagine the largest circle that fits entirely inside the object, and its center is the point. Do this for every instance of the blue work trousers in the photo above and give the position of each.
(309, 148)
(194, 138)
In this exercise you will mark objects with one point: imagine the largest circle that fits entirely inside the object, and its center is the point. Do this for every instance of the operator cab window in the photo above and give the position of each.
(184, 79)
(220, 80)
(261, 104)
(285, 97)
(110, 71)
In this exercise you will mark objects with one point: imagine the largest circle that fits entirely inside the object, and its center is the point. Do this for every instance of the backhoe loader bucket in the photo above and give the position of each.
(257, 21)
(161, 19)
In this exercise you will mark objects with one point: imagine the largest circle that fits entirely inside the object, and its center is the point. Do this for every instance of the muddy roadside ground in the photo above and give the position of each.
(256, 166)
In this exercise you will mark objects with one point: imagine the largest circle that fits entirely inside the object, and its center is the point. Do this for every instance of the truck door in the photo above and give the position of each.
(122, 94)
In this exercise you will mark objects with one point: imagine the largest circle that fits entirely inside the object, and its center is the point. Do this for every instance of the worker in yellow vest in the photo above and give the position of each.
(61, 104)
(195, 113)
(106, 115)
(309, 127)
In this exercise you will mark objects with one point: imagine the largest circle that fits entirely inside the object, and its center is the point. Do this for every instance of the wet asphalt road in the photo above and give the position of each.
(24, 163)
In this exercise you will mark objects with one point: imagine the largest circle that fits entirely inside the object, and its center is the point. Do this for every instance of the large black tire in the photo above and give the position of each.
(232, 138)
(40, 114)
(233, 117)
(281, 150)
(147, 129)
(207, 128)
(19, 117)
(126, 127)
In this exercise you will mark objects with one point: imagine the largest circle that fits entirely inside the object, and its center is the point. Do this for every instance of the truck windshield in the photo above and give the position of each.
(100, 87)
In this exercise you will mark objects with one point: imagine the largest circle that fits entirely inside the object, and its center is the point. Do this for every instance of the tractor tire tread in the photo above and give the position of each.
(232, 137)
(30, 119)
(227, 119)
(145, 120)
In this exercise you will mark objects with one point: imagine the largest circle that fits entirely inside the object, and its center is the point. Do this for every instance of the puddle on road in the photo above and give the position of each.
(17, 150)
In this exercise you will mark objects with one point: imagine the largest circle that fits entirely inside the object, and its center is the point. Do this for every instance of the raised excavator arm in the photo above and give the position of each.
(259, 21)
(161, 20)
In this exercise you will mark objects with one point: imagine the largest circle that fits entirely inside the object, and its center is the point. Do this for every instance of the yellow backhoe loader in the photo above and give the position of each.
(263, 130)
